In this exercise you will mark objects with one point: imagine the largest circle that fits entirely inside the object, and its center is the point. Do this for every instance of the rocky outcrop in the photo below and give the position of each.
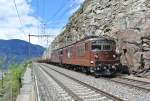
(128, 21)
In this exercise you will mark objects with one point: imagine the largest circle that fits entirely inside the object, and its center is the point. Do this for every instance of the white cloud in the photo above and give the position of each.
(10, 27)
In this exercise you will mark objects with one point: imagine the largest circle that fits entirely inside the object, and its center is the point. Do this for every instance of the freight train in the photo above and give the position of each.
(95, 55)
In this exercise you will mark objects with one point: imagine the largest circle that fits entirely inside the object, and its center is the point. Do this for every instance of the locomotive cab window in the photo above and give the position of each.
(106, 47)
(101, 45)
(96, 46)
(61, 52)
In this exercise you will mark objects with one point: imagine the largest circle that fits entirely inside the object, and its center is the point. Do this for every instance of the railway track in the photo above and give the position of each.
(44, 94)
(49, 90)
(78, 90)
(133, 83)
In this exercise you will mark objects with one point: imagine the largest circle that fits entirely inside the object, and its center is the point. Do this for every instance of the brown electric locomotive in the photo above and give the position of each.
(96, 55)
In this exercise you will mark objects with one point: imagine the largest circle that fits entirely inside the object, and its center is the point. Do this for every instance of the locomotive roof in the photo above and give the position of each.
(87, 38)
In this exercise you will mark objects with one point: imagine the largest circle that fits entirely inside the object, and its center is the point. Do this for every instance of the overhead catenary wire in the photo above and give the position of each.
(57, 12)
(44, 24)
(19, 17)
(68, 9)
(61, 14)
(38, 12)
(42, 10)
(72, 6)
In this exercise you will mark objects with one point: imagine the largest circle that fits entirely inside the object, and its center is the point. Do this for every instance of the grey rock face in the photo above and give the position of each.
(125, 20)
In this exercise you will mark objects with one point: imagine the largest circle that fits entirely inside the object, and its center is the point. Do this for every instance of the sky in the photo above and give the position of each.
(19, 18)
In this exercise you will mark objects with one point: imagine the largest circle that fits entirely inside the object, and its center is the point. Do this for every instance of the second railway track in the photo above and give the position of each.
(141, 85)
(133, 83)
(79, 90)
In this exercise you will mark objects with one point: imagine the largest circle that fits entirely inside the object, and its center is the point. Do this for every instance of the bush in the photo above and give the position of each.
(11, 82)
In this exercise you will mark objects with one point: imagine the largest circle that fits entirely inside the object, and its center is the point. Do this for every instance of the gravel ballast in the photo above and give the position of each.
(48, 88)
(119, 90)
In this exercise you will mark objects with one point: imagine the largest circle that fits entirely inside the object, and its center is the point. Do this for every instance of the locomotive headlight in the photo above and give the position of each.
(117, 50)
(105, 67)
(113, 66)
(92, 62)
(114, 56)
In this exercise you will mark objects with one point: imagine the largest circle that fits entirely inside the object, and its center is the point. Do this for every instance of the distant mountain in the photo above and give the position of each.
(18, 50)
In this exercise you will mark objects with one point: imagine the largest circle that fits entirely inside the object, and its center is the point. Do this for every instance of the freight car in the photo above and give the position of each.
(95, 55)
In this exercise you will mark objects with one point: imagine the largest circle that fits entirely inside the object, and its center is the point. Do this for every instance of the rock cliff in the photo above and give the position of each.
(128, 21)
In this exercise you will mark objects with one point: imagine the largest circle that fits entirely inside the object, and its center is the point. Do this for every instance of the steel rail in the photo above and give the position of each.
(45, 88)
(76, 97)
(135, 80)
(132, 83)
(114, 98)
(37, 89)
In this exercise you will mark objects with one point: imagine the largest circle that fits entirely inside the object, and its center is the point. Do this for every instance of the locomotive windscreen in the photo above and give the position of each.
(102, 45)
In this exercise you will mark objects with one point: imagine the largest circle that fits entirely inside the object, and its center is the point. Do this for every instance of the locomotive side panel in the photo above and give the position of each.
(78, 54)
(82, 56)
(55, 57)
(67, 55)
